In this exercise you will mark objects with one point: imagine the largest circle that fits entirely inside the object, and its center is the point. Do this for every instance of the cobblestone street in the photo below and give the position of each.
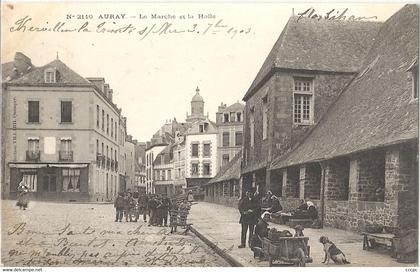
(53, 234)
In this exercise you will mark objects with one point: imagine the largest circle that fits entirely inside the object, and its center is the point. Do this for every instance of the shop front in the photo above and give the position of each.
(53, 182)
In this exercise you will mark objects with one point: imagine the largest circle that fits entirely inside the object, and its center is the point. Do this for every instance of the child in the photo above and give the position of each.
(173, 219)
(119, 207)
(127, 197)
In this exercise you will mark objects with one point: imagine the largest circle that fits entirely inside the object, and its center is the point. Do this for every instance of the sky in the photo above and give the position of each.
(154, 76)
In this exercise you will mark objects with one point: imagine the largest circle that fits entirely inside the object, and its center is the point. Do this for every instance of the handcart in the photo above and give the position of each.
(291, 250)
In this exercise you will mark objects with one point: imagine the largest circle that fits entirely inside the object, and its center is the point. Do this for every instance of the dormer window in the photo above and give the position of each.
(303, 101)
(201, 128)
(225, 117)
(238, 117)
(50, 75)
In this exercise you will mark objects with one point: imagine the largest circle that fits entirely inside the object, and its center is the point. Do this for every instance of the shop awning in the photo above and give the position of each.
(27, 165)
(69, 165)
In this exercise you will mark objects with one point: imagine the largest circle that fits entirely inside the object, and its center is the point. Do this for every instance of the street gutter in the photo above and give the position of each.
(222, 253)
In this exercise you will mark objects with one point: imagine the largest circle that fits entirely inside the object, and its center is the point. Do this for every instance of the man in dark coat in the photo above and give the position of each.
(143, 201)
(152, 208)
(248, 207)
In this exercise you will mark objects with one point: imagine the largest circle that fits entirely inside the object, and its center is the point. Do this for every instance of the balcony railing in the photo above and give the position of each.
(33, 155)
(98, 159)
(103, 161)
(66, 155)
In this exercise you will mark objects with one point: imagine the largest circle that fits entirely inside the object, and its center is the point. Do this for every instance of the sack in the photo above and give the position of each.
(274, 234)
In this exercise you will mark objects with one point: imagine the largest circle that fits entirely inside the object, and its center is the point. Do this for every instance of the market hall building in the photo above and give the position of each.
(336, 121)
(62, 133)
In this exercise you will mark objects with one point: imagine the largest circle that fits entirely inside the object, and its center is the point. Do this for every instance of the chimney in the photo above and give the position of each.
(22, 63)
(110, 92)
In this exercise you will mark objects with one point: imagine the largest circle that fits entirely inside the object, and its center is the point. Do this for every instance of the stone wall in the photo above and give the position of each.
(355, 215)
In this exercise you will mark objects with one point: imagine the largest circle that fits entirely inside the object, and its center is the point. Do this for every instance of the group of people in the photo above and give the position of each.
(256, 211)
(157, 207)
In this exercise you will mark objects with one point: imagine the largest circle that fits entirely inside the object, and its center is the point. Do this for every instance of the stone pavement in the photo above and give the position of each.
(68, 234)
(220, 224)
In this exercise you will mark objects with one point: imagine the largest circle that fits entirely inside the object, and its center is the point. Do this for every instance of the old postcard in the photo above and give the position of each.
(209, 135)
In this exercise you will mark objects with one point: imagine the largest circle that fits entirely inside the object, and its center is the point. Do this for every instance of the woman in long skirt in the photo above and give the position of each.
(23, 198)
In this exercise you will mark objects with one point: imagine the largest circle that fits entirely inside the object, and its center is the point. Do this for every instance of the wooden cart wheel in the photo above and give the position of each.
(270, 260)
(300, 255)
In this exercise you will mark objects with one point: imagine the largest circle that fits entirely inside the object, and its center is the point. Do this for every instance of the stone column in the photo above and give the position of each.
(401, 181)
(302, 179)
(284, 183)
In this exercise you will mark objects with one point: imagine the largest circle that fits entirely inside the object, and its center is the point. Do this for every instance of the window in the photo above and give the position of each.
(206, 150)
(194, 169)
(302, 106)
(71, 180)
(231, 188)
(225, 140)
(33, 145)
(66, 112)
(49, 76)
(225, 117)
(415, 81)
(194, 150)
(206, 168)
(33, 111)
(30, 180)
(251, 128)
(103, 120)
(225, 159)
(112, 127)
(115, 131)
(65, 145)
(97, 116)
(238, 138)
(238, 117)
(232, 117)
(169, 175)
(107, 124)
(97, 146)
(265, 119)
(201, 128)
(102, 153)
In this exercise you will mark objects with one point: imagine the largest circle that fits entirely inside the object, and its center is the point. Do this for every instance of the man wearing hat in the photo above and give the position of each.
(248, 207)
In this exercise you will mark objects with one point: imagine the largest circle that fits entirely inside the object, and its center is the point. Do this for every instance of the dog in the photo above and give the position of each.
(299, 231)
(332, 252)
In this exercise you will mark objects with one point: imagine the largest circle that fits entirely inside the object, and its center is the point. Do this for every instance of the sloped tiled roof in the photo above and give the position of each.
(231, 170)
(376, 109)
(321, 45)
(64, 75)
(235, 107)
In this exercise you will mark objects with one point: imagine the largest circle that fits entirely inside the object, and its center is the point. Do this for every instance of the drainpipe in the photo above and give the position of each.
(322, 164)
